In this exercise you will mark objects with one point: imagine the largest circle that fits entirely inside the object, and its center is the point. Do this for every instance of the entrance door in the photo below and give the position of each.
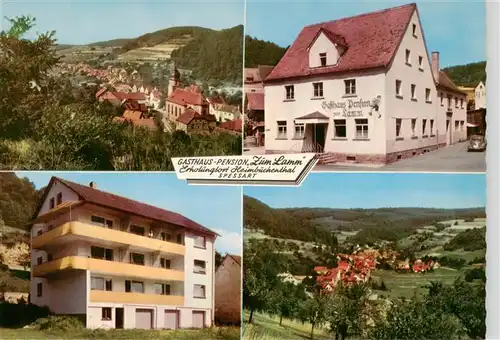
(319, 135)
(198, 319)
(171, 319)
(144, 318)
(119, 318)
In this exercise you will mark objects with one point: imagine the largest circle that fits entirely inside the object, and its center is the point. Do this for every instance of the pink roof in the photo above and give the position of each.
(106, 199)
(233, 125)
(130, 95)
(255, 101)
(372, 40)
(187, 96)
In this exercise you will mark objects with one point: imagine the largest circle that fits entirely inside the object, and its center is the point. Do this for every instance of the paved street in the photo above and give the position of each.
(454, 158)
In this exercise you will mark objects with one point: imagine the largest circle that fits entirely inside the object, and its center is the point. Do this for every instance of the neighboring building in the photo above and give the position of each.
(452, 105)
(233, 126)
(358, 90)
(480, 96)
(254, 78)
(228, 291)
(470, 91)
(191, 121)
(182, 99)
(119, 263)
(476, 122)
(118, 98)
(294, 279)
(226, 113)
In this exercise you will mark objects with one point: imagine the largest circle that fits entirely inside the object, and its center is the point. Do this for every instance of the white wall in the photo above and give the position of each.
(369, 85)
(193, 253)
(405, 108)
(323, 45)
(458, 115)
(480, 96)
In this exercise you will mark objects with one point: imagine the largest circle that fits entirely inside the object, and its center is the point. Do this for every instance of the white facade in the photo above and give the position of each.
(374, 116)
(480, 96)
(69, 291)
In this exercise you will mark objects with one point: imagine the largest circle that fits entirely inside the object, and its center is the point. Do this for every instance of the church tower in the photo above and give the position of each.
(173, 82)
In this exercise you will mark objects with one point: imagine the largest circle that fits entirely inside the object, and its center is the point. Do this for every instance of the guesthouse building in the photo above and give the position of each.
(359, 90)
(119, 263)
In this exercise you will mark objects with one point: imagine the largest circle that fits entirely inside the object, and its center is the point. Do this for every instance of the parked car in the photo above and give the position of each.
(477, 143)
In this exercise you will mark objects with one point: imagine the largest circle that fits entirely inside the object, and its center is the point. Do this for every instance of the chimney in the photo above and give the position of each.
(93, 185)
(435, 66)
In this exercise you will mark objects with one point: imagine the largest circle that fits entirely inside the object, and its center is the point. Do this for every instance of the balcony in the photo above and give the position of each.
(88, 231)
(69, 263)
(135, 298)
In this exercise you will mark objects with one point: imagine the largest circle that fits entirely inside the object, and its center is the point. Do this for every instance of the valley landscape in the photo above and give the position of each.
(353, 273)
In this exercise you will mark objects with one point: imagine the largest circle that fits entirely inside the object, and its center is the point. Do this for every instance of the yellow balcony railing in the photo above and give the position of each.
(107, 267)
(105, 234)
(135, 298)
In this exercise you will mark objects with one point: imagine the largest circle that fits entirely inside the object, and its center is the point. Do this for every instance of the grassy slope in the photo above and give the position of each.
(265, 327)
(229, 333)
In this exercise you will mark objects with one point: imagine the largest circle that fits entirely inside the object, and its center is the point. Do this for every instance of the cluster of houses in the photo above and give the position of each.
(186, 109)
(362, 89)
(350, 269)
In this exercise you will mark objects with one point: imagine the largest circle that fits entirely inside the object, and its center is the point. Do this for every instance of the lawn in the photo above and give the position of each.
(218, 333)
(265, 327)
(407, 284)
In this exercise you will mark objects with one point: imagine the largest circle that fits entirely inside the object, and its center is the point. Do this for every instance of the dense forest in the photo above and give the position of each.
(260, 52)
(469, 240)
(259, 216)
(18, 200)
(467, 75)
(214, 55)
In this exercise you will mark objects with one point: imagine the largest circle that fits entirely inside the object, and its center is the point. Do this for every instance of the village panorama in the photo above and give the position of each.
(373, 269)
(123, 104)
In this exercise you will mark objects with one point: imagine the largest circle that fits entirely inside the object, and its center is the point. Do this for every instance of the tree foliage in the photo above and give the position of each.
(469, 240)
(467, 75)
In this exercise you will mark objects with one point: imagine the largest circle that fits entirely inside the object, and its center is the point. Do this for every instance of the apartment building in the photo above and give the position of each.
(360, 90)
(119, 263)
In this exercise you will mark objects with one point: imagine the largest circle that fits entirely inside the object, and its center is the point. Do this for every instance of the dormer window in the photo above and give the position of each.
(322, 59)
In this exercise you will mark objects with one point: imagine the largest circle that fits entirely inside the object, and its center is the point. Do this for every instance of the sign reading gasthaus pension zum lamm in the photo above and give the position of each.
(349, 107)
(257, 169)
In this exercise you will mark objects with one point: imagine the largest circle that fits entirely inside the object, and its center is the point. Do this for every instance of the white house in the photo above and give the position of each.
(480, 96)
(356, 90)
(118, 263)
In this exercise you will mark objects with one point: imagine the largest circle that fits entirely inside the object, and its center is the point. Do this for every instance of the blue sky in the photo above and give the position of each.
(217, 208)
(456, 29)
(81, 22)
(378, 190)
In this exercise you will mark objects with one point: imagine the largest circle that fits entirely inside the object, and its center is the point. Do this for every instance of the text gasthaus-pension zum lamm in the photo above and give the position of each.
(239, 168)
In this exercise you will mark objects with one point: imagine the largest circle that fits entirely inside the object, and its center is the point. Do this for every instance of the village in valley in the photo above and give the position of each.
(131, 102)
(346, 273)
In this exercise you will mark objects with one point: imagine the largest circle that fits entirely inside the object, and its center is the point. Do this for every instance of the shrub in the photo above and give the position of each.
(20, 314)
(59, 324)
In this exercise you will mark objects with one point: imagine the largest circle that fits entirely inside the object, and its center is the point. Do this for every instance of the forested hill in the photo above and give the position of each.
(276, 223)
(18, 200)
(467, 75)
(260, 52)
(309, 224)
(213, 54)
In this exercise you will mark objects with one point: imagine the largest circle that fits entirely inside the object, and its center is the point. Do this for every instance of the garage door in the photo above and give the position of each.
(198, 319)
(144, 318)
(171, 319)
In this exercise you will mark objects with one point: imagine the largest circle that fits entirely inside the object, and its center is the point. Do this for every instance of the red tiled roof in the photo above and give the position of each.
(135, 106)
(257, 74)
(445, 82)
(372, 40)
(132, 115)
(255, 101)
(187, 116)
(314, 115)
(187, 96)
(112, 201)
(100, 92)
(233, 125)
